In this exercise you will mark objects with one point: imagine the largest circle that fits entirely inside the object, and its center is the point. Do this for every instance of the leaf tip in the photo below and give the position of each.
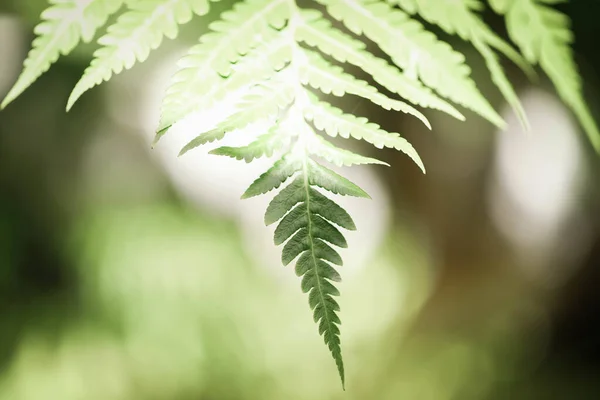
(7, 100)
(159, 134)
(72, 100)
(12, 94)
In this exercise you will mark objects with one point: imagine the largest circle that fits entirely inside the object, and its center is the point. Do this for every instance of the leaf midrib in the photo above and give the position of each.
(312, 250)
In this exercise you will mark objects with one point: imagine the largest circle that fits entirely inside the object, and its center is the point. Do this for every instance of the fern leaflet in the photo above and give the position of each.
(136, 32)
(209, 64)
(64, 24)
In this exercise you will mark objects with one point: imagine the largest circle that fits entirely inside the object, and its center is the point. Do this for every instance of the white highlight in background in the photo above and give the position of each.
(537, 182)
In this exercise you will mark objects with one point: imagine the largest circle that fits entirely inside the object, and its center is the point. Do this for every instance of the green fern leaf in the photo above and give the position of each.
(64, 24)
(307, 228)
(135, 34)
(502, 81)
(543, 34)
(418, 52)
(275, 176)
(295, 193)
(223, 92)
(461, 18)
(329, 180)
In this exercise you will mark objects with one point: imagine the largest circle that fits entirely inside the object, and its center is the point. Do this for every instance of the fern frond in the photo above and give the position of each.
(543, 34)
(462, 18)
(306, 226)
(135, 34)
(64, 25)
(417, 51)
(208, 65)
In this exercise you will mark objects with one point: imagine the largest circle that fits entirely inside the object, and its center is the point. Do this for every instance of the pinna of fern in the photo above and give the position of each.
(264, 61)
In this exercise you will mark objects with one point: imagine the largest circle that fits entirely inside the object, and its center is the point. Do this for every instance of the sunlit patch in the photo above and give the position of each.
(207, 181)
(537, 183)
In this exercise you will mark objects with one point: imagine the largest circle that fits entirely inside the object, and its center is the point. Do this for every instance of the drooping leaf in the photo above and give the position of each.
(306, 226)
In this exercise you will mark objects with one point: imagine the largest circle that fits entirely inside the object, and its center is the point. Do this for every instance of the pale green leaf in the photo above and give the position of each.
(64, 24)
(264, 145)
(318, 32)
(461, 18)
(325, 178)
(328, 78)
(249, 28)
(135, 34)
(264, 103)
(334, 122)
(275, 176)
(321, 147)
(417, 51)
